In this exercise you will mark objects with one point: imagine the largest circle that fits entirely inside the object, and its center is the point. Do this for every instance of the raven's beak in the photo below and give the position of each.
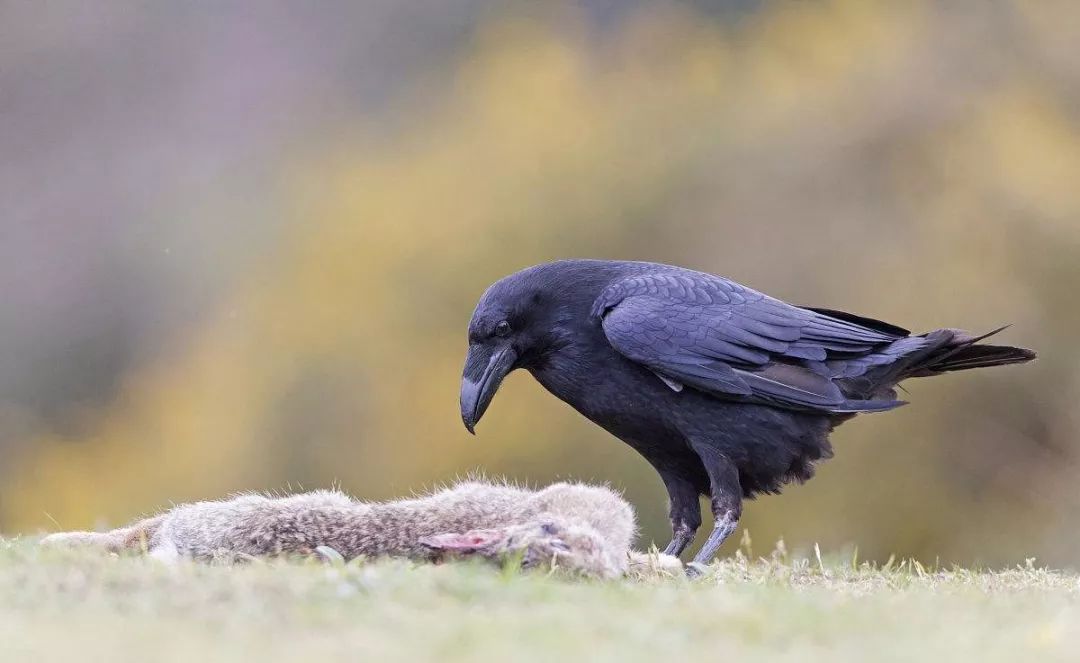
(485, 367)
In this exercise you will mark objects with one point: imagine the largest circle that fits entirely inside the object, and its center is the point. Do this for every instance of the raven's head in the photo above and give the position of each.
(519, 321)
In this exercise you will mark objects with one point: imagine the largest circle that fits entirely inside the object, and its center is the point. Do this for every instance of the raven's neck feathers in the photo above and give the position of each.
(576, 347)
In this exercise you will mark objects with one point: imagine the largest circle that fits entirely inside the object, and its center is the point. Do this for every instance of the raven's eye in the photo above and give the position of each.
(502, 329)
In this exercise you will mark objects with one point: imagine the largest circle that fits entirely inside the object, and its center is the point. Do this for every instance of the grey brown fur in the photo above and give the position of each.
(581, 528)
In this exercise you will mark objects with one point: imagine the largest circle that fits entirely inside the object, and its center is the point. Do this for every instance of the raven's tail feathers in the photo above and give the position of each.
(961, 351)
(933, 353)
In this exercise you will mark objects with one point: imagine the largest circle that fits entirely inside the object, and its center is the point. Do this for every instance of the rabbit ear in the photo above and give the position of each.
(469, 542)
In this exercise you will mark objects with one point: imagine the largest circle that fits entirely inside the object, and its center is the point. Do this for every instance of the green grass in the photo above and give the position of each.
(65, 606)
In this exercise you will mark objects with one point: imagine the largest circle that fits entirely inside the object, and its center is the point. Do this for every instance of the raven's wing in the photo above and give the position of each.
(725, 339)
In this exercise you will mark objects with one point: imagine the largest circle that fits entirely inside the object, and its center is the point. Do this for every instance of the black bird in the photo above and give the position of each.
(726, 391)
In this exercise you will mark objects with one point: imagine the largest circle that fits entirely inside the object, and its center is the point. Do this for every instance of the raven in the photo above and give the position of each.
(726, 391)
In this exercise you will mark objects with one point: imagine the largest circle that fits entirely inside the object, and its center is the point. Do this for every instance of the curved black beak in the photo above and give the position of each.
(485, 367)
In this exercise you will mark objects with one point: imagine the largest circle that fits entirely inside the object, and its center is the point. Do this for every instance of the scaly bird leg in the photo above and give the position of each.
(726, 501)
(685, 512)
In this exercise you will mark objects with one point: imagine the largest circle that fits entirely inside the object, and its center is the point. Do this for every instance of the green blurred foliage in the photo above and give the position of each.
(916, 162)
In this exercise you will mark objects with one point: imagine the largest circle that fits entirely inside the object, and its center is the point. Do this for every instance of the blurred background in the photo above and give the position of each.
(240, 242)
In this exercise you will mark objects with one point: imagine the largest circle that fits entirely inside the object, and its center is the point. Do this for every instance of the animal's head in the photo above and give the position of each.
(519, 322)
(540, 544)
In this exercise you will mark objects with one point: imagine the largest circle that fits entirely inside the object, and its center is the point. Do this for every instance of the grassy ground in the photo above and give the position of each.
(59, 606)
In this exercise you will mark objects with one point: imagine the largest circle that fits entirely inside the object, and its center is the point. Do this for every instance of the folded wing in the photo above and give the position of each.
(722, 338)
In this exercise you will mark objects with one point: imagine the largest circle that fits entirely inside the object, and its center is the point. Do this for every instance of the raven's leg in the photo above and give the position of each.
(685, 511)
(726, 499)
